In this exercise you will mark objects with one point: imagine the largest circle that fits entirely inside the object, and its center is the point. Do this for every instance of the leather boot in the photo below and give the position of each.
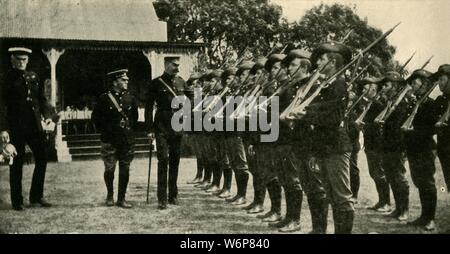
(386, 191)
(297, 204)
(227, 178)
(343, 221)
(274, 189)
(242, 186)
(217, 174)
(319, 215)
(124, 177)
(109, 182)
(380, 203)
(198, 176)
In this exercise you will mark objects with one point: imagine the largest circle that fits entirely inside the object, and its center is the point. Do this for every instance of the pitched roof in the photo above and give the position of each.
(94, 20)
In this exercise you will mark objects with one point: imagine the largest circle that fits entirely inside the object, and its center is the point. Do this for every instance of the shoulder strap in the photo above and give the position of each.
(114, 101)
(168, 87)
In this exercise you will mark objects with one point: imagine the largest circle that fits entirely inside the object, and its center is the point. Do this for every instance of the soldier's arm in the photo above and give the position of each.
(149, 106)
(135, 113)
(98, 115)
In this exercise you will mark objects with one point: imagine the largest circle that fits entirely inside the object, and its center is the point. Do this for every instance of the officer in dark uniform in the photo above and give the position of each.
(116, 116)
(162, 91)
(25, 107)
(419, 148)
(442, 112)
(332, 145)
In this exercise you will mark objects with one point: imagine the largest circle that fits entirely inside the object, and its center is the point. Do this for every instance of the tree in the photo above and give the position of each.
(334, 22)
(227, 27)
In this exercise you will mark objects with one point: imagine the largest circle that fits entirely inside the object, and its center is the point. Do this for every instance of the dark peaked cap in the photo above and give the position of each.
(117, 73)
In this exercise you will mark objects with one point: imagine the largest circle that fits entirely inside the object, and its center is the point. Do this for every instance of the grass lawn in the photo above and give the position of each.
(77, 191)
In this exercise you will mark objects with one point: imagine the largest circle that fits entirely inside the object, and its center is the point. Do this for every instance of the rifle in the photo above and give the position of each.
(407, 125)
(426, 63)
(406, 63)
(301, 108)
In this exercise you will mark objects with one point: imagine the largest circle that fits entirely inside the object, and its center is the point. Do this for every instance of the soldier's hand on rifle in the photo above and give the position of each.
(4, 136)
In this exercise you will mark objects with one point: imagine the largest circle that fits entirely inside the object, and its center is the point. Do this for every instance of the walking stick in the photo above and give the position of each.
(149, 167)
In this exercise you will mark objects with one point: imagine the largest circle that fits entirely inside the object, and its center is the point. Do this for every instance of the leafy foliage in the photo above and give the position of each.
(334, 22)
(235, 28)
(228, 27)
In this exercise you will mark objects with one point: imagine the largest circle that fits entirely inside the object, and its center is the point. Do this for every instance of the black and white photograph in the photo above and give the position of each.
(201, 117)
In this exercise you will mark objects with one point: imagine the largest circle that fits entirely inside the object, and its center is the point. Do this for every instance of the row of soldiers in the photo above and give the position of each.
(317, 149)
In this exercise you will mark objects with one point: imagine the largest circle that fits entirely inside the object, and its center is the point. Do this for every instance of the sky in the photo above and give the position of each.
(425, 26)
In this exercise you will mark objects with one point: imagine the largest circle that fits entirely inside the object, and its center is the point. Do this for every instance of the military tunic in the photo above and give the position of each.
(168, 141)
(25, 106)
(332, 144)
(419, 145)
(443, 137)
(117, 134)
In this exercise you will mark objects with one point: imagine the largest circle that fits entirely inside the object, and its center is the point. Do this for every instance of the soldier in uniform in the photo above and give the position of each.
(372, 141)
(298, 66)
(332, 144)
(258, 73)
(354, 134)
(216, 152)
(116, 117)
(162, 91)
(308, 171)
(209, 80)
(222, 161)
(442, 112)
(209, 144)
(264, 151)
(393, 149)
(25, 107)
(243, 78)
(419, 148)
(236, 153)
(194, 83)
